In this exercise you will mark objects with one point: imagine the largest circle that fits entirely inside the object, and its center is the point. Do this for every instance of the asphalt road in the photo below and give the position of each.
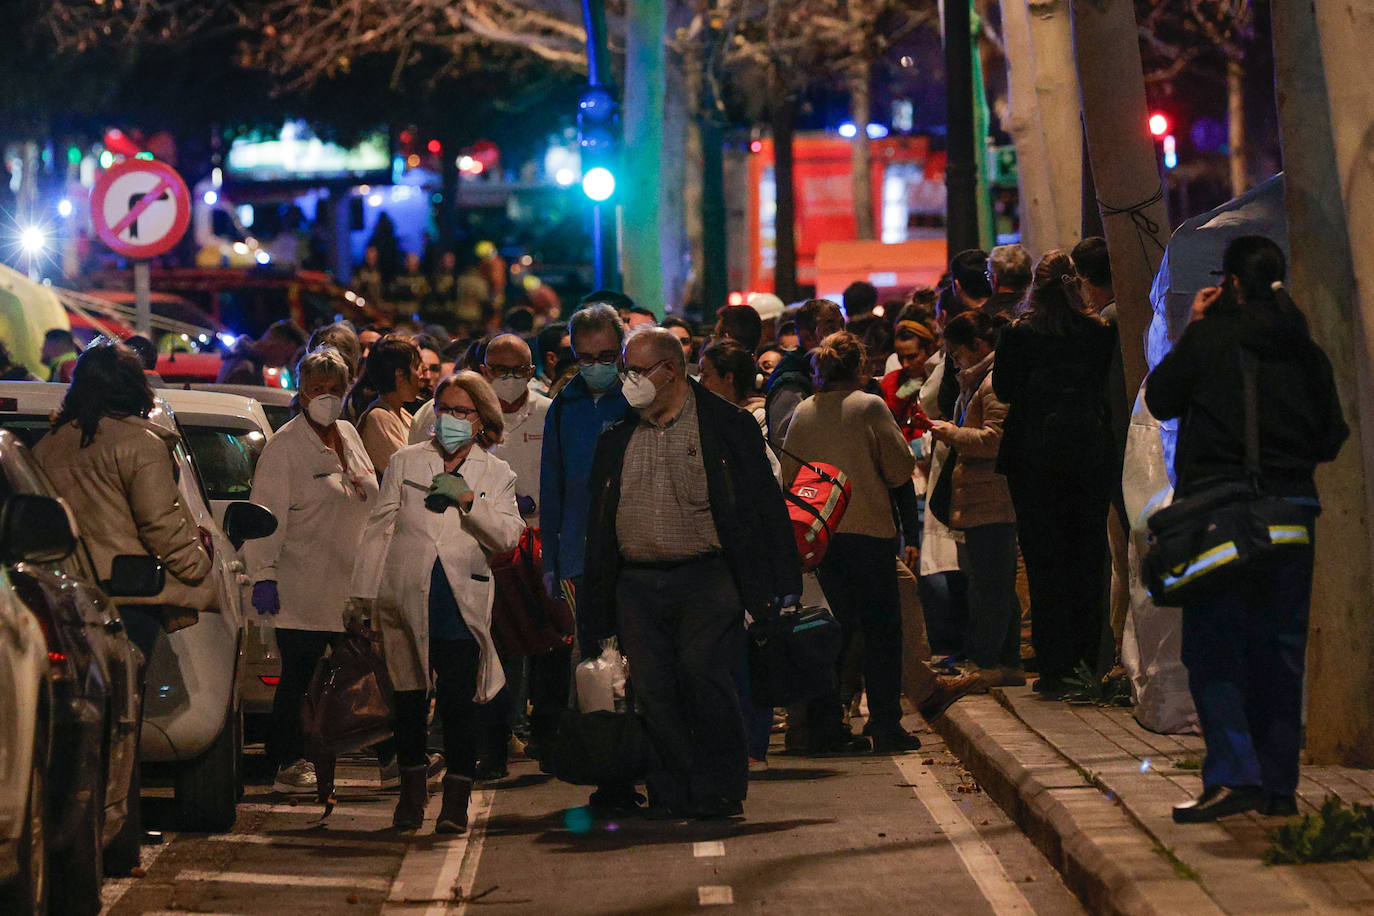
(861, 835)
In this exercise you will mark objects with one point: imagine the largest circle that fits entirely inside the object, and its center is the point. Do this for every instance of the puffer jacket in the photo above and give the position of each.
(980, 495)
(122, 489)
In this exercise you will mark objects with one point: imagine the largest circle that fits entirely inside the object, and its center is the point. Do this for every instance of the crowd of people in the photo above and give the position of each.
(980, 425)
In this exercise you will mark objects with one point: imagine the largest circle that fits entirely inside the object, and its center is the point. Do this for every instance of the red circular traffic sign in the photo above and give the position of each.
(140, 207)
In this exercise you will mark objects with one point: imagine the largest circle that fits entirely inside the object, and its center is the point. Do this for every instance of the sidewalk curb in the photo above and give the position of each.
(1103, 855)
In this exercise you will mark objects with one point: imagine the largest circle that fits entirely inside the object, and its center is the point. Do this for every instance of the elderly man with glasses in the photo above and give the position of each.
(688, 532)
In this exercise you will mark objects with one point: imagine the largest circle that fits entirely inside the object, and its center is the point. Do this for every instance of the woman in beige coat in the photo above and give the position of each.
(115, 470)
(980, 508)
(423, 575)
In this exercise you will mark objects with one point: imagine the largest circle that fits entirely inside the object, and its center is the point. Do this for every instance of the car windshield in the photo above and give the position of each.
(226, 458)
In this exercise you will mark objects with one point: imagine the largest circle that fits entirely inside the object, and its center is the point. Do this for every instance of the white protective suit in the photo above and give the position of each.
(321, 510)
(399, 548)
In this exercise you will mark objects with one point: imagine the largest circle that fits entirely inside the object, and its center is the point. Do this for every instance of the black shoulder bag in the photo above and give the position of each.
(1210, 543)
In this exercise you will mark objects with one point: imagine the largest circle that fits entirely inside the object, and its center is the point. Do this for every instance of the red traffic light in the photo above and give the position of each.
(1159, 124)
(434, 147)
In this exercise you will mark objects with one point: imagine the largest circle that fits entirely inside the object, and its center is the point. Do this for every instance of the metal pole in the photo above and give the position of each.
(594, 21)
(143, 309)
(715, 281)
(598, 250)
(961, 178)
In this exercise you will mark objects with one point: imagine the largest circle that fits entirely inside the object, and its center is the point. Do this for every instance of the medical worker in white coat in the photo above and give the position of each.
(316, 478)
(423, 578)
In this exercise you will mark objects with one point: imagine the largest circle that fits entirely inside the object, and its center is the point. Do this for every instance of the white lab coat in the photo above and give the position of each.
(402, 541)
(321, 510)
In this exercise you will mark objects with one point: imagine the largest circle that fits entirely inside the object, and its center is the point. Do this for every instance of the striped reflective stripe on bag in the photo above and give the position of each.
(1204, 563)
(1289, 534)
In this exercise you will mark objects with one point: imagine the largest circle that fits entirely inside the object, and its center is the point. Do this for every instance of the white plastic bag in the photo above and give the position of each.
(601, 681)
(1153, 640)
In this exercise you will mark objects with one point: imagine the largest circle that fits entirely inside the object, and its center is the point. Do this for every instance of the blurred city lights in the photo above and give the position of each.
(1159, 124)
(756, 146)
(106, 159)
(262, 257)
(564, 177)
(848, 130)
(64, 208)
(32, 240)
(876, 131)
(374, 200)
(598, 184)
(210, 198)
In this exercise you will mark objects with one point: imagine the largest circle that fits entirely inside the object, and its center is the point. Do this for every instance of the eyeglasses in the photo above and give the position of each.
(462, 413)
(605, 358)
(633, 375)
(505, 372)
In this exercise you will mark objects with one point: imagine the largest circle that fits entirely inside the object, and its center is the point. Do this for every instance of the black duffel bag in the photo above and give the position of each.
(793, 656)
(601, 748)
(1208, 544)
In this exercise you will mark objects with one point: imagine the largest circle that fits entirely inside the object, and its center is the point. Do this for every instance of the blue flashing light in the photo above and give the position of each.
(598, 184)
(848, 130)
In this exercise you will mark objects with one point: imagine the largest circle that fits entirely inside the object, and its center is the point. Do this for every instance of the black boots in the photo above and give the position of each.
(453, 817)
(410, 808)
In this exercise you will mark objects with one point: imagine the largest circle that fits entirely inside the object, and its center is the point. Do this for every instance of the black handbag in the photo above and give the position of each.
(793, 656)
(601, 748)
(1206, 545)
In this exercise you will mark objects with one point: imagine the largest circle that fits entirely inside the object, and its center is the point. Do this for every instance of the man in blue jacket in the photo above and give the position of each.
(589, 404)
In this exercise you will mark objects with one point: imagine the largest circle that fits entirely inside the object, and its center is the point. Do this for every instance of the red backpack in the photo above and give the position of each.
(816, 502)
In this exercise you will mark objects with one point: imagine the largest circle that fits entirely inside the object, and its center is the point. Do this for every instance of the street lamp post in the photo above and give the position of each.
(597, 117)
(961, 175)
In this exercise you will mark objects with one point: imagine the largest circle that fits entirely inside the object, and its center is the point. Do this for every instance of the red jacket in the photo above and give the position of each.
(910, 417)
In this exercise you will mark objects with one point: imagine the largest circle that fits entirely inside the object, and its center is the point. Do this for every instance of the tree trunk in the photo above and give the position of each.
(783, 115)
(961, 175)
(1056, 99)
(861, 163)
(1038, 220)
(1238, 148)
(642, 152)
(1330, 195)
(1112, 87)
(678, 109)
(692, 185)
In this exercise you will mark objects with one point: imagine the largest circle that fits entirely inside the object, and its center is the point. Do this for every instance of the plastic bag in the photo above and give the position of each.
(601, 681)
(1153, 639)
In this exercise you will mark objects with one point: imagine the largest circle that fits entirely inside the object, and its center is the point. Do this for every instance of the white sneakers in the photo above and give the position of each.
(296, 779)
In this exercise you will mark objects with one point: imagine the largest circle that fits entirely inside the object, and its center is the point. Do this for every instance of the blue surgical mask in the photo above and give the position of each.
(453, 433)
(599, 376)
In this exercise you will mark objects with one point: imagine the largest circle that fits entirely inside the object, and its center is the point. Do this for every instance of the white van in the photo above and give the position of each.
(192, 719)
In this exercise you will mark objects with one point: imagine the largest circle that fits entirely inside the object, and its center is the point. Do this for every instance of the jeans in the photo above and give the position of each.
(1063, 531)
(988, 558)
(758, 720)
(944, 600)
(301, 651)
(682, 629)
(455, 663)
(1245, 653)
(859, 578)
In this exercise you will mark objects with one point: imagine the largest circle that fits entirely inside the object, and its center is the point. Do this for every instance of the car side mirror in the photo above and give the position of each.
(35, 529)
(136, 575)
(245, 521)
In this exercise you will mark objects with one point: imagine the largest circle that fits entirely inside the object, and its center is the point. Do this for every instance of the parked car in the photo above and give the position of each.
(193, 716)
(277, 403)
(74, 780)
(225, 434)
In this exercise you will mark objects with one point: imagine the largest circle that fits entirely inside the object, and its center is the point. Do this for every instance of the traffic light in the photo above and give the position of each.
(598, 130)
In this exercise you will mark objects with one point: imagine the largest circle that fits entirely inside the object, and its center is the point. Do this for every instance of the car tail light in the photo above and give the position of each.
(271, 680)
(207, 541)
(56, 657)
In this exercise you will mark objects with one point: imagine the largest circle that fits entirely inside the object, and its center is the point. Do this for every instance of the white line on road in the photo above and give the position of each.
(708, 849)
(979, 860)
(428, 876)
(248, 877)
(715, 895)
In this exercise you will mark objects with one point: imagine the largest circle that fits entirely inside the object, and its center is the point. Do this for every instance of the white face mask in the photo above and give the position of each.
(325, 409)
(509, 390)
(639, 392)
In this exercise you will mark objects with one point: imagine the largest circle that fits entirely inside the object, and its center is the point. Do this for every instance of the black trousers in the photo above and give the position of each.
(683, 632)
(301, 651)
(454, 662)
(1062, 528)
(859, 578)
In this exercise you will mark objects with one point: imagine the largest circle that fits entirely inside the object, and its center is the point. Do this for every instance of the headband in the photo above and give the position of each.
(915, 327)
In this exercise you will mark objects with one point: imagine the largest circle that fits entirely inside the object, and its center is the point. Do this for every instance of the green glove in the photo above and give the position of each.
(446, 490)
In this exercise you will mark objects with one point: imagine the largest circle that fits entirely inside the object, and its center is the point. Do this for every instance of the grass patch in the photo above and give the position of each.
(1334, 834)
(1086, 687)
(1192, 762)
(1181, 868)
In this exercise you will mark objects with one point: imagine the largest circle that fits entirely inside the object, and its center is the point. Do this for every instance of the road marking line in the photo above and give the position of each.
(248, 877)
(428, 877)
(979, 860)
(715, 895)
(708, 849)
(311, 840)
(115, 889)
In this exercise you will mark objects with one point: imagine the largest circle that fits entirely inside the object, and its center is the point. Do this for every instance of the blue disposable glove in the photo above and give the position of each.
(265, 597)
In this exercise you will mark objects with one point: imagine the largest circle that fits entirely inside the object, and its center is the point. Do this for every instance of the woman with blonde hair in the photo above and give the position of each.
(423, 577)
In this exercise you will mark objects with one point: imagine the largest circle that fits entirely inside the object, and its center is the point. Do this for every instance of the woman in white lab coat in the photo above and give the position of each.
(316, 478)
(423, 575)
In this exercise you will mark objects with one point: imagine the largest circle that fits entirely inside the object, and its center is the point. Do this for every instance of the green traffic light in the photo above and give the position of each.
(598, 184)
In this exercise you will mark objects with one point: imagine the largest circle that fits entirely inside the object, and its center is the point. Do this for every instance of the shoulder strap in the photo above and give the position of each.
(823, 474)
(1249, 372)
